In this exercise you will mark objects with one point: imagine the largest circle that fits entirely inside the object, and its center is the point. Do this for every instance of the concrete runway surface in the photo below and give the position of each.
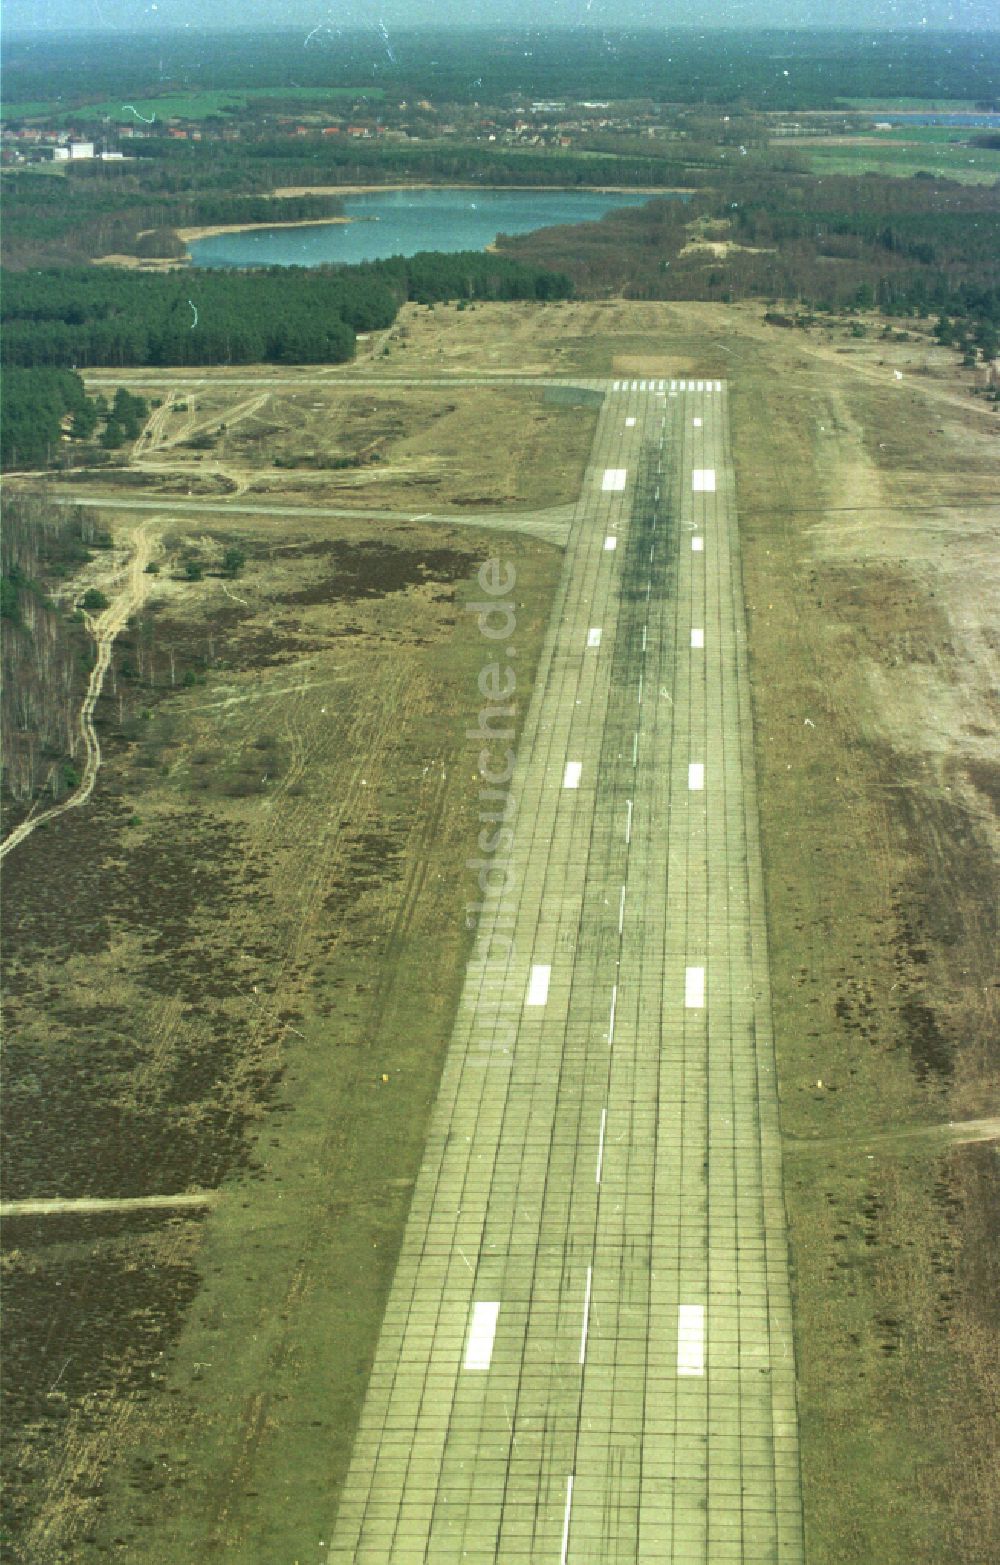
(587, 1351)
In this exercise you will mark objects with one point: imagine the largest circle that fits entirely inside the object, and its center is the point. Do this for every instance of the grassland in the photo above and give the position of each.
(933, 155)
(259, 919)
(330, 443)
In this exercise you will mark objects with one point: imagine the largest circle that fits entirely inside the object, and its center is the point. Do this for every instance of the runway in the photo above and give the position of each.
(587, 1351)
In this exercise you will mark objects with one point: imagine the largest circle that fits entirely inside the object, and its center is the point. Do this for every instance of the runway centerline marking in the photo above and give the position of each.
(594, 636)
(610, 543)
(586, 1315)
(697, 637)
(690, 1339)
(628, 821)
(482, 1330)
(697, 545)
(621, 911)
(600, 1146)
(565, 1532)
(538, 986)
(611, 1018)
(703, 480)
(614, 479)
(572, 774)
(696, 776)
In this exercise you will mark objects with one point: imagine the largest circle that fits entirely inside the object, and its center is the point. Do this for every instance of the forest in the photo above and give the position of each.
(785, 69)
(86, 318)
(916, 246)
(100, 209)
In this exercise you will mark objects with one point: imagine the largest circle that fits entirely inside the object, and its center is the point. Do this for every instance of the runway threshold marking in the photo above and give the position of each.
(482, 1330)
(572, 774)
(694, 988)
(690, 1339)
(614, 478)
(697, 544)
(594, 636)
(610, 543)
(696, 776)
(703, 480)
(586, 1315)
(538, 986)
(697, 636)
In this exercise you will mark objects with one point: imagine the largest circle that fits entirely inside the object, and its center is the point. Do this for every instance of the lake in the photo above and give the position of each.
(402, 222)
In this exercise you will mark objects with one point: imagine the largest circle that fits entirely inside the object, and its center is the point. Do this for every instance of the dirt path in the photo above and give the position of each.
(104, 627)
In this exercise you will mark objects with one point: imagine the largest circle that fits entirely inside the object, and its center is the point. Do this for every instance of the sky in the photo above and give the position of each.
(63, 16)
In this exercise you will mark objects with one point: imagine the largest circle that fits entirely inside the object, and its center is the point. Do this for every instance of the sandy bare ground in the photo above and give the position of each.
(105, 627)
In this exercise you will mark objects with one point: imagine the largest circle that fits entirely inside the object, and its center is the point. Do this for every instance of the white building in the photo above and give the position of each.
(81, 149)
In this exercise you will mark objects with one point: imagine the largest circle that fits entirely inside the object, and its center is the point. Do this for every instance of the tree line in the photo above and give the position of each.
(44, 651)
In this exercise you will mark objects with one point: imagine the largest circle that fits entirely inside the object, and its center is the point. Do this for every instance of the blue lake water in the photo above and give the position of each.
(403, 222)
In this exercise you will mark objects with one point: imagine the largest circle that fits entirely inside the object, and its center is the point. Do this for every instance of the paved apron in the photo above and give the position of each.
(587, 1350)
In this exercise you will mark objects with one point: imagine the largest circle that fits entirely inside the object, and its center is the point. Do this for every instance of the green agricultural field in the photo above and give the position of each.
(928, 105)
(187, 105)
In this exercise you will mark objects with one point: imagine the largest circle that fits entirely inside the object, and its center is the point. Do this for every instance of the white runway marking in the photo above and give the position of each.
(611, 1018)
(610, 543)
(698, 545)
(594, 636)
(635, 749)
(628, 821)
(690, 1339)
(630, 423)
(697, 637)
(569, 1506)
(644, 638)
(621, 911)
(694, 988)
(614, 478)
(572, 774)
(482, 1330)
(696, 422)
(538, 986)
(703, 480)
(696, 776)
(600, 1146)
(586, 1315)
(640, 689)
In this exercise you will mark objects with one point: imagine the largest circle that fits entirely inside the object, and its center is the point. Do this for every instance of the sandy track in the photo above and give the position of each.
(97, 1205)
(105, 627)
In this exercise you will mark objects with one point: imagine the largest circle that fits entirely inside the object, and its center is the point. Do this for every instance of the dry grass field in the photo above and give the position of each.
(237, 966)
